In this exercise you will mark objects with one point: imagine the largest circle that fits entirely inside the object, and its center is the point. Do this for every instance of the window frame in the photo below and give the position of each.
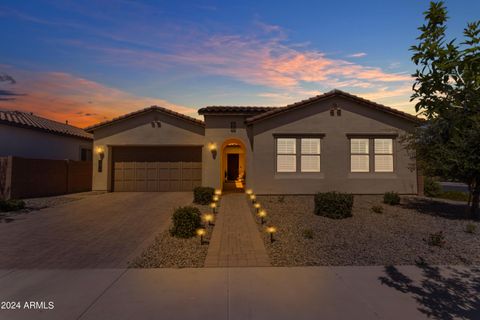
(298, 150)
(277, 154)
(319, 154)
(375, 154)
(360, 154)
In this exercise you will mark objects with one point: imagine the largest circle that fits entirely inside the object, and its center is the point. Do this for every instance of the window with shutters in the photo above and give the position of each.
(383, 155)
(310, 155)
(359, 155)
(286, 155)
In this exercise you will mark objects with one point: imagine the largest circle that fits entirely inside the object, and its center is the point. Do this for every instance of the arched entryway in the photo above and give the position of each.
(233, 173)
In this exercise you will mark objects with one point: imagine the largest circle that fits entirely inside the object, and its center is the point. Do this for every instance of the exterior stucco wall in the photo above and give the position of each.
(138, 131)
(335, 172)
(217, 132)
(35, 144)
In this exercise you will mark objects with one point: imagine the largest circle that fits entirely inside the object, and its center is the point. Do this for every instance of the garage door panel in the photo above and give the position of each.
(145, 168)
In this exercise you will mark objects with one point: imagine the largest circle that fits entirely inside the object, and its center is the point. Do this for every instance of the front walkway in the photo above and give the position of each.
(235, 240)
(404, 292)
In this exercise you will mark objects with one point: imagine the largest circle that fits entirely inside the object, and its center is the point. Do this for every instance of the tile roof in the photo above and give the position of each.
(31, 121)
(235, 109)
(330, 94)
(138, 112)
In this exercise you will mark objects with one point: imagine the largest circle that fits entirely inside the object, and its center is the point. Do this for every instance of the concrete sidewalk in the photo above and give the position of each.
(406, 292)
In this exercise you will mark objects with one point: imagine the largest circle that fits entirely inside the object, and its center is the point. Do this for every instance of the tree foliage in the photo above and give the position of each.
(447, 93)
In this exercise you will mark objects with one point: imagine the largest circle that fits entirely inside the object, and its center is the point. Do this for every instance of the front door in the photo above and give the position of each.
(232, 166)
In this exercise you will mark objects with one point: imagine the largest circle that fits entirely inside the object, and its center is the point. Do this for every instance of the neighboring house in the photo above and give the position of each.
(26, 135)
(335, 141)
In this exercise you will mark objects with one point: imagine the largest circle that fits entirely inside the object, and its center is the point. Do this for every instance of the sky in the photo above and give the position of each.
(89, 61)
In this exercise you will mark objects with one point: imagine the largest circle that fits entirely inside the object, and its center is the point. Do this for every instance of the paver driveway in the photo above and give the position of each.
(99, 231)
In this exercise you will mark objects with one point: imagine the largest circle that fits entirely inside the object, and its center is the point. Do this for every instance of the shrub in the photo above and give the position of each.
(308, 234)
(431, 187)
(11, 205)
(470, 228)
(203, 195)
(281, 199)
(186, 220)
(391, 198)
(334, 205)
(377, 209)
(436, 239)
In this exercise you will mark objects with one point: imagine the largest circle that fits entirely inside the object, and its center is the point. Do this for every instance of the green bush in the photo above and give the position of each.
(203, 195)
(391, 198)
(11, 205)
(377, 209)
(431, 187)
(185, 220)
(470, 228)
(334, 205)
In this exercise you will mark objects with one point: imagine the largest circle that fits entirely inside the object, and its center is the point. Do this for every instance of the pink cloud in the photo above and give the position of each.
(62, 96)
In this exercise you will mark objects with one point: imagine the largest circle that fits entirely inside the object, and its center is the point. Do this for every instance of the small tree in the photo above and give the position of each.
(447, 92)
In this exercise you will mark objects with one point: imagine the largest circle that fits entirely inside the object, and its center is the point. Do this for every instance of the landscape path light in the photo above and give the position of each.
(201, 232)
(215, 198)
(253, 197)
(249, 191)
(213, 205)
(271, 230)
(257, 207)
(208, 218)
(262, 214)
(218, 192)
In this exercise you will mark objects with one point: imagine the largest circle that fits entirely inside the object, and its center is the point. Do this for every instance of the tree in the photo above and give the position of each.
(447, 93)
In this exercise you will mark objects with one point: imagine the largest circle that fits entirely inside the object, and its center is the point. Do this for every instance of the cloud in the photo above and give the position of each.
(357, 55)
(62, 96)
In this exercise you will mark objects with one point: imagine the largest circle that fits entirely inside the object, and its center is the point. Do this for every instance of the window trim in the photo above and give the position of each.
(319, 154)
(297, 137)
(384, 154)
(371, 138)
(368, 154)
(286, 154)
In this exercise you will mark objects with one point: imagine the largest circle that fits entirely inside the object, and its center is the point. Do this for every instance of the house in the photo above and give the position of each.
(334, 141)
(26, 135)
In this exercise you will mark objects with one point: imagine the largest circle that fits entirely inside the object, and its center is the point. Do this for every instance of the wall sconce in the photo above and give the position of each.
(100, 150)
(213, 149)
(271, 230)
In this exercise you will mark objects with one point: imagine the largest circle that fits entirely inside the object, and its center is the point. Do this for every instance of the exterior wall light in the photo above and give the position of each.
(257, 206)
(271, 230)
(100, 151)
(208, 218)
(201, 232)
(213, 205)
(262, 214)
(213, 149)
(252, 197)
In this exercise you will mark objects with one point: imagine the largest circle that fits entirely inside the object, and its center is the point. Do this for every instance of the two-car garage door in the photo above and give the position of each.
(168, 168)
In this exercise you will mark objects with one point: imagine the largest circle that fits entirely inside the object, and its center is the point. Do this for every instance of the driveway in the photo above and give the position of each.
(98, 231)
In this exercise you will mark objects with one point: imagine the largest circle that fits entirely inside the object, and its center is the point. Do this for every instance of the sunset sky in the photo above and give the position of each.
(88, 61)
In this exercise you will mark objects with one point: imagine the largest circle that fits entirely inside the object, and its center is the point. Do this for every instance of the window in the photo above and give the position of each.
(383, 155)
(85, 154)
(360, 159)
(286, 155)
(310, 155)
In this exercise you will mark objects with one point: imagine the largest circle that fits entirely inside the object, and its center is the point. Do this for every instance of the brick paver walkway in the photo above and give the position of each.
(235, 240)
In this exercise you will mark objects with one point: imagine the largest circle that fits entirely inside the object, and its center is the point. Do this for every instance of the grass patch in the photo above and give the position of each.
(453, 195)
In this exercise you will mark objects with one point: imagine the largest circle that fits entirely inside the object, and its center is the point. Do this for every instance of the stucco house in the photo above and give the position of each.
(334, 141)
(23, 134)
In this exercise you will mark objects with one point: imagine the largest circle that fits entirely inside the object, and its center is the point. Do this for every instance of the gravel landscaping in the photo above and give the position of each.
(171, 252)
(47, 202)
(399, 235)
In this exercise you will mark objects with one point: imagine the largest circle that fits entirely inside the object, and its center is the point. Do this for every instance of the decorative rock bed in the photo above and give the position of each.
(397, 236)
(170, 252)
